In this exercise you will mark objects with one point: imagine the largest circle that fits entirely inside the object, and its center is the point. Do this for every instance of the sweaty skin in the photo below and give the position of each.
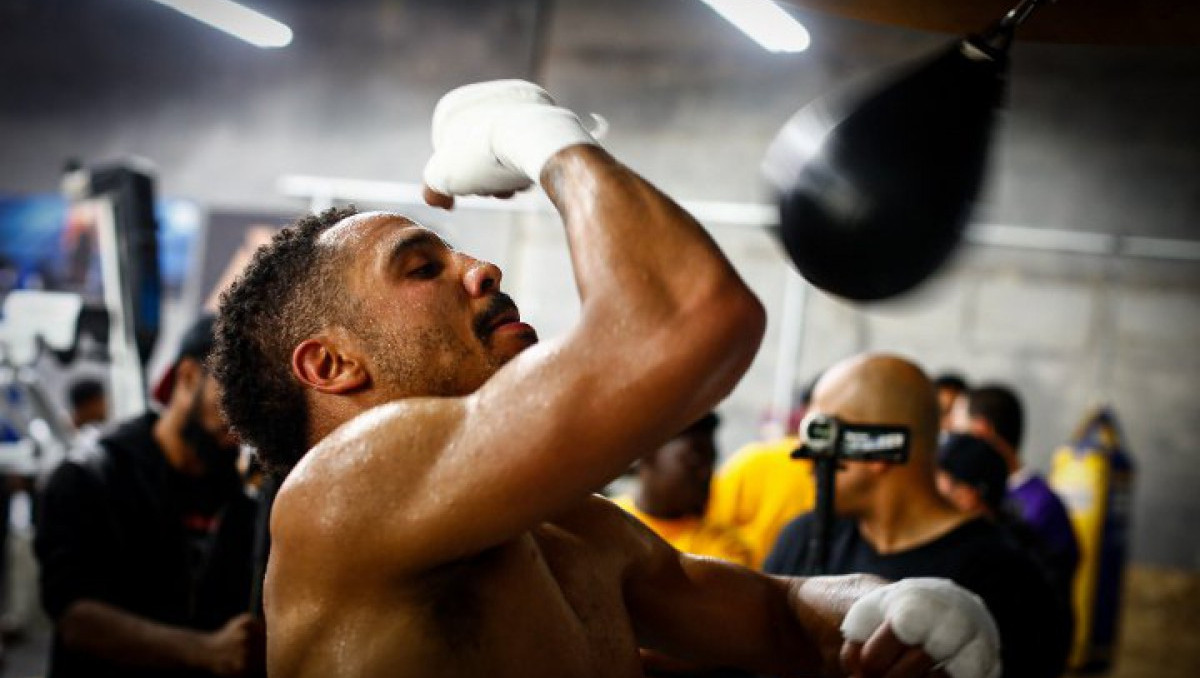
(443, 523)
(453, 535)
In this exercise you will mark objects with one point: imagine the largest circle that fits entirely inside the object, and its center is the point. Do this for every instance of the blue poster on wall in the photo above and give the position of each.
(50, 244)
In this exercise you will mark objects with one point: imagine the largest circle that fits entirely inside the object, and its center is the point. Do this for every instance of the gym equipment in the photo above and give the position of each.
(122, 320)
(1095, 22)
(128, 247)
(35, 322)
(828, 441)
(1093, 474)
(874, 189)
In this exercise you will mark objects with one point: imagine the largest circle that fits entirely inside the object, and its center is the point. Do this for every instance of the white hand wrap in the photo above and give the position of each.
(496, 136)
(950, 623)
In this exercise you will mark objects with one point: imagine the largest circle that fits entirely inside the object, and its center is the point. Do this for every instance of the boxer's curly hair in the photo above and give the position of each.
(290, 289)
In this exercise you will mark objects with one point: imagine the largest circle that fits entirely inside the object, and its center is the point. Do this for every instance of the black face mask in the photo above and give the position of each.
(219, 460)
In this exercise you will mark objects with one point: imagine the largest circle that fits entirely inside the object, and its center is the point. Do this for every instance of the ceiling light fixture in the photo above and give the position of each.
(764, 21)
(236, 20)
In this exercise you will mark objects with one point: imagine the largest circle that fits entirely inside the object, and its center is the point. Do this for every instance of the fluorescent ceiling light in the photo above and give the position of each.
(766, 22)
(236, 20)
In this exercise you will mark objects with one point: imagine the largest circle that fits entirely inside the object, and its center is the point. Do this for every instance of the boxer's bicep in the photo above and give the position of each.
(554, 425)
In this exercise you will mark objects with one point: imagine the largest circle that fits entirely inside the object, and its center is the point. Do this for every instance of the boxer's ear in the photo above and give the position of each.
(328, 365)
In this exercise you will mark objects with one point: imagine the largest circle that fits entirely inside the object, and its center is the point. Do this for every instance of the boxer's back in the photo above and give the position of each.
(546, 603)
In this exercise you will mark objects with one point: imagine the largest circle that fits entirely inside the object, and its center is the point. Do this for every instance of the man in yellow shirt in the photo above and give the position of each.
(673, 490)
(759, 490)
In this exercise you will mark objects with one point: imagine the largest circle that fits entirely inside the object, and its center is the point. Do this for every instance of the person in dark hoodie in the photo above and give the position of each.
(145, 541)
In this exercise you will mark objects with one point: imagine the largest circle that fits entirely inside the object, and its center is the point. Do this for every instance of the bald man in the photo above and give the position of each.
(892, 521)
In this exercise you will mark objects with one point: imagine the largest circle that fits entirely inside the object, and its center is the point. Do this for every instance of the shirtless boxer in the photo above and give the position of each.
(442, 523)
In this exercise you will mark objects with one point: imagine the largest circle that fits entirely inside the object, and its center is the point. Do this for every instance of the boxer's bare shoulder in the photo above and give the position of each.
(546, 603)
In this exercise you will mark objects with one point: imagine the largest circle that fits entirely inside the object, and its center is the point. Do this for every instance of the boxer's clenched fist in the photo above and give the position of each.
(918, 627)
(493, 138)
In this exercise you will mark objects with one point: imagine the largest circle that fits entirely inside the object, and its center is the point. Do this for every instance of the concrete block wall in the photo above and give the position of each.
(1099, 331)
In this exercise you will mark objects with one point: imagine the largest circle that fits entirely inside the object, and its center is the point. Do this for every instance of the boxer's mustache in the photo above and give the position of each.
(501, 305)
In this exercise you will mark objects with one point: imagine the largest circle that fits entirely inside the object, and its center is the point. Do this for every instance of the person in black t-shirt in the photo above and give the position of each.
(892, 522)
(145, 542)
(973, 475)
(994, 412)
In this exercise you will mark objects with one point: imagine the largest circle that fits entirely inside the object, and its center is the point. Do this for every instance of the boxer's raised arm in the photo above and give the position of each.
(667, 328)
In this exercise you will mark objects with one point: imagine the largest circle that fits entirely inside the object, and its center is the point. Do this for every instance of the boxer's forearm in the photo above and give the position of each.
(819, 604)
(705, 613)
(647, 271)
